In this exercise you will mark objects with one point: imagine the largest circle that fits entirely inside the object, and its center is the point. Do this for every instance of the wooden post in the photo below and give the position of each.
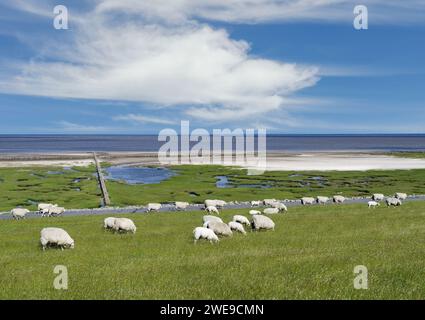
(102, 184)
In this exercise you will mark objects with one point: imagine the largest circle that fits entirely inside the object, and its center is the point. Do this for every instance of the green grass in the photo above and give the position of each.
(408, 154)
(26, 186)
(201, 181)
(310, 255)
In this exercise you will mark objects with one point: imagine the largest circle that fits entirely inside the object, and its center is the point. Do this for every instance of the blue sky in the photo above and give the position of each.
(127, 67)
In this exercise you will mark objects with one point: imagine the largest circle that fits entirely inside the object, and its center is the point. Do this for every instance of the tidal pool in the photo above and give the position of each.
(138, 175)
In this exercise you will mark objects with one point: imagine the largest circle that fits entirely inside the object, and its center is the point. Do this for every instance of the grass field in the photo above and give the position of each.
(77, 188)
(310, 255)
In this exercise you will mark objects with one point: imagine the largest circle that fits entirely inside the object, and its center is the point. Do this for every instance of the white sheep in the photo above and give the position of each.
(393, 202)
(270, 211)
(236, 226)
(378, 197)
(373, 204)
(256, 203)
(19, 213)
(125, 225)
(220, 228)
(401, 196)
(322, 200)
(109, 223)
(211, 218)
(269, 202)
(215, 203)
(204, 233)
(262, 222)
(241, 219)
(254, 212)
(338, 199)
(43, 207)
(55, 211)
(212, 209)
(307, 200)
(280, 206)
(56, 236)
(181, 205)
(154, 207)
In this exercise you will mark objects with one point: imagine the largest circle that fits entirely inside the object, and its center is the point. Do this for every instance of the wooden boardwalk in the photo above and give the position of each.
(102, 184)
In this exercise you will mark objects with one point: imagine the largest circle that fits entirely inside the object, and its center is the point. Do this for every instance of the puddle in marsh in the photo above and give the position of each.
(138, 175)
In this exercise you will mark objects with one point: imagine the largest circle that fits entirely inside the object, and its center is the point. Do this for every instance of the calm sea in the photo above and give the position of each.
(146, 143)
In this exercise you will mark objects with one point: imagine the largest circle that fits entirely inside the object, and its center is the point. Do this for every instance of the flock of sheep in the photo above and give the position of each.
(213, 226)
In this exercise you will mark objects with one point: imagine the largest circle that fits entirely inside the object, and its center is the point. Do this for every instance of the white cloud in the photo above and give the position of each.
(142, 119)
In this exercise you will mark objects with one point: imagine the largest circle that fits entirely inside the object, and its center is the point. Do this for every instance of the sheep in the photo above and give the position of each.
(220, 228)
(255, 203)
(378, 197)
(55, 211)
(56, 236)
(393, 202)
(322, 200)
(211, 218)
(212, 209)
(109, 223)
(280, 206)
(236, 226)
(204, 233)
(254, 212)
(124, 224)
(373, 204)
(19, 213)
(181, 205)
(154, 207)
(270, 211)
(269, 202)
(401, 196)
(215, 203)
(338, 199)
(43, 207)
(241, 219)
(307, 200)
(262, 222)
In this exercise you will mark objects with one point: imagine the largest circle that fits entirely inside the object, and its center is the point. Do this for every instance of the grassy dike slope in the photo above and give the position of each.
(311, 255)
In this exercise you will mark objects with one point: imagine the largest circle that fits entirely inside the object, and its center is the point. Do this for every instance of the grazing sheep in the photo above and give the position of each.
(236, 226)
(181, 205)
(19, 213)
(373, 204)
(212, 209)
(269, 202)
(378, 197)
(55, 211)
(280, 206)
(215, 203)
(125, 225)
(338, 199)
(43, 207)
(154, 207)
(271, 211)
(401, 196)
(262, 222)
(220, 228)
(254, 212)
(255, 203)
(241, 219)
(211, 218)
(307, 200)
(393, 202)
(322, 200)
(204, 233)
(56, 236)
(109, 223)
